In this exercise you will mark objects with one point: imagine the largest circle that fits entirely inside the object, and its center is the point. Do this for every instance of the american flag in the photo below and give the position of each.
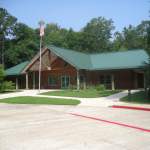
(41, 28)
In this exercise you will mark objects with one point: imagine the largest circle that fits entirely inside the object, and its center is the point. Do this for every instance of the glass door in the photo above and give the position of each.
(65, 82)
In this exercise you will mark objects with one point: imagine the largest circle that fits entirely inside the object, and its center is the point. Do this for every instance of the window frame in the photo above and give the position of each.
(52, 78)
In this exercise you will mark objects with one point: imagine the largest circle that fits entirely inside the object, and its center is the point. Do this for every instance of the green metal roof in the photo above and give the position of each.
(119, 60)
(131, 59)
(16, 70)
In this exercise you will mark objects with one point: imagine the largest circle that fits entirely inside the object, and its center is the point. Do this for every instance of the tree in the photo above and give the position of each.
(118, 43)
(54, 35)
(1, 74)
(73, 40)
(97, 34)
(7, 24)
(5, 85)
(23, 46)
(133, 37)
(144, 33)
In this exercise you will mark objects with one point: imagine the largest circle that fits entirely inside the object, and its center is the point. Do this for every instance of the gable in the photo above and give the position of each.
(60, 64)
(45, 63)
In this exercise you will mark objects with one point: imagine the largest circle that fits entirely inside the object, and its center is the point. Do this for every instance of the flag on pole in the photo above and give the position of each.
(41, 28)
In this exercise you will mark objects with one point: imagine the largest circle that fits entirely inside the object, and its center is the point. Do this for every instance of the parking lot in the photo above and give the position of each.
(43, 127)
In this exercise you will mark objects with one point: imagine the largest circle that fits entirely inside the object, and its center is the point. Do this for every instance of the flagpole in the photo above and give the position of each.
(41, 23)
(40, 64)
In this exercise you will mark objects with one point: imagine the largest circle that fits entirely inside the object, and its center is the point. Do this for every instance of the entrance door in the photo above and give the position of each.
(140, 80)
(65, 82)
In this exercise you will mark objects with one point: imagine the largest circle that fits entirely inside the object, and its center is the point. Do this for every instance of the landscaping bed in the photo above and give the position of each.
(138, 97)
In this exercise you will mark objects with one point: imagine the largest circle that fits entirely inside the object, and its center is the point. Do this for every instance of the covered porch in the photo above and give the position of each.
(80, 79)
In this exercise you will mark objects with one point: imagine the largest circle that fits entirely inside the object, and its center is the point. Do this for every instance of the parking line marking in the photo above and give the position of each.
(130, 107)
(112, 122)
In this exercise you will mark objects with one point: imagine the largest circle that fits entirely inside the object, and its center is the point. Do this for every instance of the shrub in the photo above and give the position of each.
(2, 74)
(100, 87)
(90, 87)
(6, 86)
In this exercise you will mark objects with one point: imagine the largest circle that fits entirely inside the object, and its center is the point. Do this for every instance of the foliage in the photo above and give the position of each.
(23, 46)
(138, 97)
(7, 86)
(87, 93)
(133, 37)
(7, 24)
(100, 87)
(97, 34)
(1, 78)
(2, 74)
(4, 85)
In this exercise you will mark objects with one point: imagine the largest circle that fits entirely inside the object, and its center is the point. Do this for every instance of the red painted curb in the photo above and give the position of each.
(130, 107)
(112, 122)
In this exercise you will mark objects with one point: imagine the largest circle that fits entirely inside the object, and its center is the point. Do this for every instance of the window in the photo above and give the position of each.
(81, 79)
(106, 80)
(65, 81)
(52, 80)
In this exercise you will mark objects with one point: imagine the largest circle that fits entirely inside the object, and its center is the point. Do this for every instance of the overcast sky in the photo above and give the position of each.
(76, 13)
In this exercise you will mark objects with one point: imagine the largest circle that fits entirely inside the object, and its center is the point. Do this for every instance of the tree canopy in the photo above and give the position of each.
(19, 42)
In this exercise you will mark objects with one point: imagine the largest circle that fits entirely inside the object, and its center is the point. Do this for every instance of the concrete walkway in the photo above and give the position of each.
(100, 101)
(22, 93)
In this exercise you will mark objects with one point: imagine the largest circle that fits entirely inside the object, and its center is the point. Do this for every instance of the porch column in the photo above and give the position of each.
(135, 81)
(33, 80)
(145, 84)
(16, 83)
(84, 80)
(112, 82)
(78, 80)
(27, 86)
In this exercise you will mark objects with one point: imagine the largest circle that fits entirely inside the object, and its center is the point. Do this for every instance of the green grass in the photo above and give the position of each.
(88, 93)
(39, 100)
(139, 97)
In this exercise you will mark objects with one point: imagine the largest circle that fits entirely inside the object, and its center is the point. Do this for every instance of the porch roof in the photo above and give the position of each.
(16, 70)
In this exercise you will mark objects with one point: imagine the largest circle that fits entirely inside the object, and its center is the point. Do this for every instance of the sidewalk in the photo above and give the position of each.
(97, 102)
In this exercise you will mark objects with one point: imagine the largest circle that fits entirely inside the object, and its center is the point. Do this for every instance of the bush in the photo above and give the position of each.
(100, 87)
(6, 86)
(90, 87)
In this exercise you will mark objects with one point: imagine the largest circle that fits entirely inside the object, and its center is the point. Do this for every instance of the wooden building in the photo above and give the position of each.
(64, 68)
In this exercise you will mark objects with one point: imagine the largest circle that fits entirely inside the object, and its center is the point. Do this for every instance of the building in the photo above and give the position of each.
(63, 68)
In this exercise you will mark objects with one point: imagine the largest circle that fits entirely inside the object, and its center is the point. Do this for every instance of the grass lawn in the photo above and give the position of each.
(88, 93)
(138, 97)
(39, 100)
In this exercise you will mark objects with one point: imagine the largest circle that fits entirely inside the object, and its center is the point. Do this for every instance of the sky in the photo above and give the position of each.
(76, 13)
